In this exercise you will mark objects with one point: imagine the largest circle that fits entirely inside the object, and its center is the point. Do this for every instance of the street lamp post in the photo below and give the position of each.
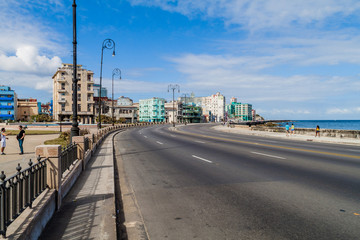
(108, 44)
(75, 131)
(115, 72)
(173, 88)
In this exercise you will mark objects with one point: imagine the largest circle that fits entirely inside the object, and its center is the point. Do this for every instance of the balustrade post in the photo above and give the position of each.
(53, 153)
(80, 141)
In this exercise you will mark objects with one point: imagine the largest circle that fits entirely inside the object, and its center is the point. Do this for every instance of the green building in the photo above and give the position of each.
(152, 110)
(192, 114)
(239, 111)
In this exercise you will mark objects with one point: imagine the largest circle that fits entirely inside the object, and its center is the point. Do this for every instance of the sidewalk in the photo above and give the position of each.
(88, 211)
(9, 162)
(310, 138)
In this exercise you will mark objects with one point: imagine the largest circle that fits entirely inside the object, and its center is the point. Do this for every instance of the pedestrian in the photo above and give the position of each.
(20, 137)
(3, 140)
(287, 127)
(292, 129)
(317, 131)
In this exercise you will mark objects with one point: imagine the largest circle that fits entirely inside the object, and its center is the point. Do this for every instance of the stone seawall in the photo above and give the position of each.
(311, 132)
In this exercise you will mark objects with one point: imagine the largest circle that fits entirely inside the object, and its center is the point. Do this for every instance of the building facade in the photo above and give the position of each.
(213, 107)
(152, 110)
(124, 101)
(8, 103)
(104, 92)
(26, 108)
(62, 94)
(192, 114)
(240, 111)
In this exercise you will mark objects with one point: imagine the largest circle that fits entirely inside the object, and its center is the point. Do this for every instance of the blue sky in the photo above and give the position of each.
(294, 59)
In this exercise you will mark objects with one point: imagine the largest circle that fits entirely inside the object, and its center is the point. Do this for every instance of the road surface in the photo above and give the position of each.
(197, 183)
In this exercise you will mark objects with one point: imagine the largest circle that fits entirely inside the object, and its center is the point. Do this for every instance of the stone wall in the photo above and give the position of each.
(311, 132)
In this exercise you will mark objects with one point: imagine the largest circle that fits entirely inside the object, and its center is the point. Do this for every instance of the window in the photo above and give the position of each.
(79, 107)
(89, 77)
(89, 87)
(79, 87)
(89, 107)
(63, 86)
(79, 97)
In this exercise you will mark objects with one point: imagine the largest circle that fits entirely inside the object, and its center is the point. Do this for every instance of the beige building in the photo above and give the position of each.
(62, 94)
(26, 108)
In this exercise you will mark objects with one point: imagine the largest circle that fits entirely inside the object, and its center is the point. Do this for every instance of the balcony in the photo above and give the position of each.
(61, 100)
(6, 98)
(6, 107)
(61, 80)
(61, 90)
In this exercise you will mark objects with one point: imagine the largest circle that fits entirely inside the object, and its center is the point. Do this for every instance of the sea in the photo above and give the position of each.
(325, 124)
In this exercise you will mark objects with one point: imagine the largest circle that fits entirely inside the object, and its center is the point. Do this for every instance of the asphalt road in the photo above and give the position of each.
(196, 183)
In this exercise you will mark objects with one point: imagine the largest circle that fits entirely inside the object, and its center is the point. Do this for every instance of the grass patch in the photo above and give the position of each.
(32, 132)
(57, 141)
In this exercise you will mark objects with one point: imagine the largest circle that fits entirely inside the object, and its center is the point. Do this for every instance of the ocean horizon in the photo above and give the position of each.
(325, 124)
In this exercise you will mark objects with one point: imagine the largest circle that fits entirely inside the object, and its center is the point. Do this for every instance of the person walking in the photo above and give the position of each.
(20, 137)
(287, 128)
(292, 129)
(3, 140)
(317, 131)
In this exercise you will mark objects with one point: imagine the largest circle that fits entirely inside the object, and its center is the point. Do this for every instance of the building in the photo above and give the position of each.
(240, 111)
(192, 114)
(173, 111)
(62, 94)
(152, 110)
(104, 92)
(213, 107)
(8, 104)
(123, 114)
(26, 108)
(124, 101)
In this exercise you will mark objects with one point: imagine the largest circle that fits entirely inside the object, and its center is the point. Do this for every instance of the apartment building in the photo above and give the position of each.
(240, 111)
(213, 107)
(62, 94)
(152, 110)
(26, 108)
(8, 103)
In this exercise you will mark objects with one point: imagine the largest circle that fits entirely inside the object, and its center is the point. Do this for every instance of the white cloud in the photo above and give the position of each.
(28, 60)
(259, 14)
(239, 76)
(337, 110)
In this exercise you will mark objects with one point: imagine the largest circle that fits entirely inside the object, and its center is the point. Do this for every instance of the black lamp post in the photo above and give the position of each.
(75, 131)
(115, 72)
(108, 44)
(173, 88)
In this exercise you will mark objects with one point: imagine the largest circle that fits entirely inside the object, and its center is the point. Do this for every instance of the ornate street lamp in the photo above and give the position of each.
(173, 88)
(107, 44)
(115, 72)
(75, 131)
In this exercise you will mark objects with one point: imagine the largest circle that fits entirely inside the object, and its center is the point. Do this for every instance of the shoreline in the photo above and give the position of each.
(301, 134)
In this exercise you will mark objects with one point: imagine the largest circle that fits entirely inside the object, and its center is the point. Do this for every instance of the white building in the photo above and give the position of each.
(213, 107)
(124, 101)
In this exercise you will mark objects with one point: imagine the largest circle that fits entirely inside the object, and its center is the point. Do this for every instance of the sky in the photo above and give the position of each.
(296, 59)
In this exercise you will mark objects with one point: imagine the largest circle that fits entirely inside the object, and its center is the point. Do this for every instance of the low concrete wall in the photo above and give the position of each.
(30, 224)
(311, 132)
(70, 179)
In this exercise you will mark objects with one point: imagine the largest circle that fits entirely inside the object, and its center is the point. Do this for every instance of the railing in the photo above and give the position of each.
(68, 156)
(20, 190)
(86, 144)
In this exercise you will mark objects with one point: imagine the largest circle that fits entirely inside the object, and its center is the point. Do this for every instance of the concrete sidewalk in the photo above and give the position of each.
(9, 162)
(88, 211)
(247, 131)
